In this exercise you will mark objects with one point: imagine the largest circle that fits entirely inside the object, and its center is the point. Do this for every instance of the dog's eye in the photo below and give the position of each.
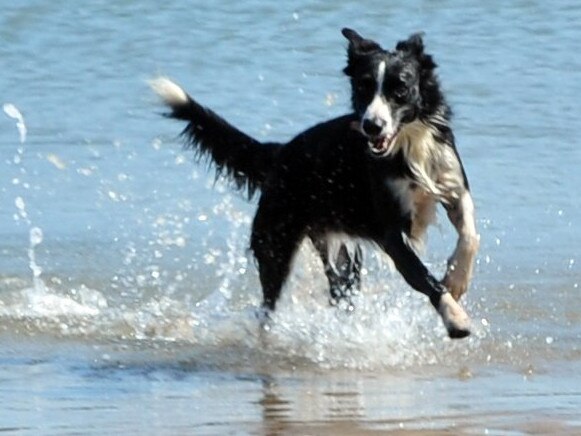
(365, 84)
(400, 94)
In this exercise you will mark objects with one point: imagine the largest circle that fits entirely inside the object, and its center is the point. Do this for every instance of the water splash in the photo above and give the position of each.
(38, 301)
(21, 210)
(13, 112)
(35, 234)
(35, 237)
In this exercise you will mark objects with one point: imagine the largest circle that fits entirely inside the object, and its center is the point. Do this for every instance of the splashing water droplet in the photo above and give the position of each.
(13, 112)
(19, 203)
(36, 236)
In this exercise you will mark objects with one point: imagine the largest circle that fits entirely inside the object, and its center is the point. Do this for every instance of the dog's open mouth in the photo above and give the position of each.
(381, 144)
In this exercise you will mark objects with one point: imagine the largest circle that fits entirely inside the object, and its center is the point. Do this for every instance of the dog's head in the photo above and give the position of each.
(388, 87)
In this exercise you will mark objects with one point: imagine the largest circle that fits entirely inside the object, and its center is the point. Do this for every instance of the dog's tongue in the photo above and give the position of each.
(379, 143)
(383, 143)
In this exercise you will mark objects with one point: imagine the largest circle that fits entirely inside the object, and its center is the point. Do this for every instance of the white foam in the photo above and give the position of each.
(43, 302)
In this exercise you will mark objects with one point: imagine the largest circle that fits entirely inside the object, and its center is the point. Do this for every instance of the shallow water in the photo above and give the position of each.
(127, 294)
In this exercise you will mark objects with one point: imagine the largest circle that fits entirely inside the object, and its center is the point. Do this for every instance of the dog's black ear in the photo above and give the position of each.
(414, 44)
(352, 36)
(358, 46)
(357, 43)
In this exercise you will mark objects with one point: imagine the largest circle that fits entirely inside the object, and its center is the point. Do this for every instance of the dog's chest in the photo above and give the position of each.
(408, 195)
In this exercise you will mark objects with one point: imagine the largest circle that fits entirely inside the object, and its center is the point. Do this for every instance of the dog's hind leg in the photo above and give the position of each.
(274, 242)
(274, 260)
(342, 268)
(417, 275)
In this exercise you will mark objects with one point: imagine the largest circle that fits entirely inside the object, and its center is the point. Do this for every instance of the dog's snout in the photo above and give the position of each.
(371, 128)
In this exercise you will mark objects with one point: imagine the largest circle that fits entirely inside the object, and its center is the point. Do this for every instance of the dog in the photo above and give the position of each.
(375, 174)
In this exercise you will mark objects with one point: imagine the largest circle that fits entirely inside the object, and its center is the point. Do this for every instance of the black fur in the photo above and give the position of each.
(236, 155)
(326, 180)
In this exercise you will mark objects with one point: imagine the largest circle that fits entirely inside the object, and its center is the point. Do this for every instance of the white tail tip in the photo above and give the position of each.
(171, 93)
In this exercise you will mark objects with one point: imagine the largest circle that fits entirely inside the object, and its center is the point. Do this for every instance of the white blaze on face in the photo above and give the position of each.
(379, 111)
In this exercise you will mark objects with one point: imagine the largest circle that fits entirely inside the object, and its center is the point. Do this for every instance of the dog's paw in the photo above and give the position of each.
(455, 318)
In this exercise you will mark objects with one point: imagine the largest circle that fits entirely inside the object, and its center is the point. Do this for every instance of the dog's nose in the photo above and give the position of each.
(371, 128)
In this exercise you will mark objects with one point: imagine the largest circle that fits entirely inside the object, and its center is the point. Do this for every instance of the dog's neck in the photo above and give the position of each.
(432, 163)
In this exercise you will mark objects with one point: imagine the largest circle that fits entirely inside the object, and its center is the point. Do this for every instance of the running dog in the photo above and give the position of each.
(374, 174)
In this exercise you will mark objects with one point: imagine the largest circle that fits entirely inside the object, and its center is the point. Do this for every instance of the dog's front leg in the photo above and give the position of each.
(417, 275)
(461, 263)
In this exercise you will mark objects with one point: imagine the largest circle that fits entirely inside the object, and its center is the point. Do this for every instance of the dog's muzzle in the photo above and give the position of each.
(381, 144)
(378, 142)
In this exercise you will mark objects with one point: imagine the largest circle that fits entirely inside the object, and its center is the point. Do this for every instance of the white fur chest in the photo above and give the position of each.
(416, 203)
(434, 165)
(404, 192)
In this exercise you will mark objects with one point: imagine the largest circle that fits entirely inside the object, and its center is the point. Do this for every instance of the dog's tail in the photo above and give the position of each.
(243, 159)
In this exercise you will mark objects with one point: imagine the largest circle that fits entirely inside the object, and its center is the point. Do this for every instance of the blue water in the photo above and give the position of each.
(138, 243)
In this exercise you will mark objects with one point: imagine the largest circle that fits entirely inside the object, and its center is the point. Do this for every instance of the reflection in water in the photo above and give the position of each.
(147, 392)
(276, 411)
(319, 404)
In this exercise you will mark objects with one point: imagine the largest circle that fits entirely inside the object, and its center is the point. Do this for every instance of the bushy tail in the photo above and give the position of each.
(243, 159)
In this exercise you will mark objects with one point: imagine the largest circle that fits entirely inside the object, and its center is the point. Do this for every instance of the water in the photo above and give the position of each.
(127, 294)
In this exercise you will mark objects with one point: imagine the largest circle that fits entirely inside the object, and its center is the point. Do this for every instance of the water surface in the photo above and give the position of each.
(127, 293)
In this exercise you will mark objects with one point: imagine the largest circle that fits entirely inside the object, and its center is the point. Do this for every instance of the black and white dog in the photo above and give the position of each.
(374, 174)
